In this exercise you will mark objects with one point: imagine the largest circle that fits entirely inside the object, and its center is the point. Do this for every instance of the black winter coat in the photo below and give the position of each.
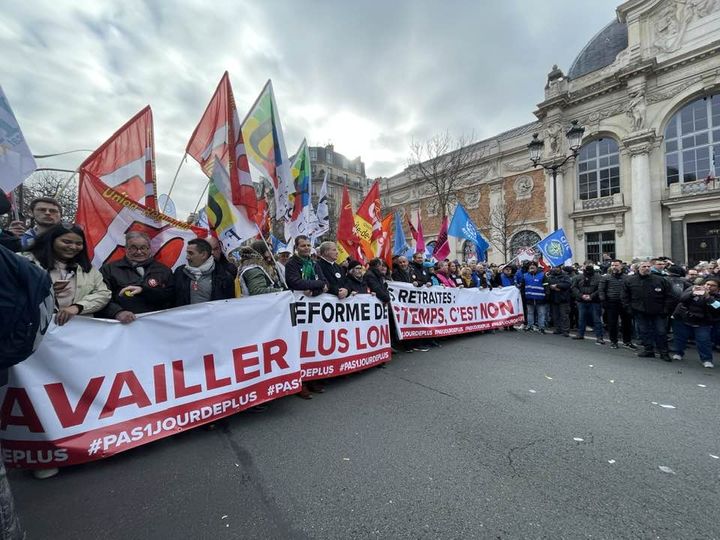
(333, 273)
(648, 294)
(375, 281)
(611, 287)
(586, 285)
(295, 281)
(398, 274)
(419, 273)
(564, 283)
(223, 286)
(157, 287)
(355, 286)
(696, 310)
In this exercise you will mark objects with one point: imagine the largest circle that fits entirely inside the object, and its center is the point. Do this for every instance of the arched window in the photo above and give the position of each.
(598, 169)
(692, 140)
(522, 240)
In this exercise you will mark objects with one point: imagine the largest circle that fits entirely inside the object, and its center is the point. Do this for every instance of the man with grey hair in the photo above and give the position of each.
(138, 282)
(332, 271)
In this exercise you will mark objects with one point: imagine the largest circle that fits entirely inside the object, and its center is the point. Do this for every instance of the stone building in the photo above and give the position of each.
(646, 89)
(341, 172)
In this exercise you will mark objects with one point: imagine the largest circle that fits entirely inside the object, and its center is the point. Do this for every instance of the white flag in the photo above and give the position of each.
(322, 214)
(16, 160)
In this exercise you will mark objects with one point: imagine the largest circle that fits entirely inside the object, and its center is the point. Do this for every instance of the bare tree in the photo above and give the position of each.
(444, 164)
(504, 220)
(53, 184)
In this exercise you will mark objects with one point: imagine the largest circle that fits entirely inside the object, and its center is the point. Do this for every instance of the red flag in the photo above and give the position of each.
(218, 135)
(347, 237)
(126, 161)
(368, 221)
(442, 246)
(413, 230)
(105, 214)
(385, 240)
(420, 245)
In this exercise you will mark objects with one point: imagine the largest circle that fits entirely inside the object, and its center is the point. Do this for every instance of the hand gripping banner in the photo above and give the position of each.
(95, 387)
(338, 337)
(422, 312)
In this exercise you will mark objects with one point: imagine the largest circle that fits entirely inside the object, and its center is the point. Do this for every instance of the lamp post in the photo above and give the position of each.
(535, 148)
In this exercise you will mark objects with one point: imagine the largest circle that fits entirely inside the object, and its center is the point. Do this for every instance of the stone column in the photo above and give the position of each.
(677, 239)
(639, 146)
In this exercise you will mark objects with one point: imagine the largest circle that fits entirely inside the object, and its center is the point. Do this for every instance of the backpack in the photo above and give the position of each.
(26, 307)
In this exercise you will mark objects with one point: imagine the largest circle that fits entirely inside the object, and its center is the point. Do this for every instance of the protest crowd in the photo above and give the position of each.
(114, 263)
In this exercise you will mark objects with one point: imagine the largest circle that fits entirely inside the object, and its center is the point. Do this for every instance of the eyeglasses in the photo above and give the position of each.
(137, 248)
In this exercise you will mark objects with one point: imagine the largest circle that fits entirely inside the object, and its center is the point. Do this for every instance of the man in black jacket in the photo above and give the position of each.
(375, 279)
(302, 273)
(418, 272)
(201, 280)
(611, 288)
(559, 285)
(401, 271)
(138, 282)
(648, 296)
(585, 291)
(331, 270)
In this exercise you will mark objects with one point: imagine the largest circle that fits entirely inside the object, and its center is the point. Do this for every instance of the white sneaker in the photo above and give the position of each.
(708, 365)
(677, 357)
(42, 474)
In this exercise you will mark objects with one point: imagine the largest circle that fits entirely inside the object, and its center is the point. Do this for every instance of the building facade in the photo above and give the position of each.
(646, 89)
(341, 172)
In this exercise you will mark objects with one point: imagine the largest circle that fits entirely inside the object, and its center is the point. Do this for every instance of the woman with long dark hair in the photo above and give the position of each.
(79, 288)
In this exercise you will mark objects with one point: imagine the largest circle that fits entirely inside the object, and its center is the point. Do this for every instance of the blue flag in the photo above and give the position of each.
(400, 245)
(462, 226)
(555, 248)
(277, 245)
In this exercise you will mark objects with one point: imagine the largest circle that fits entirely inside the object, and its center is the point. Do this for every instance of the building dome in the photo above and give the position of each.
(601, 50)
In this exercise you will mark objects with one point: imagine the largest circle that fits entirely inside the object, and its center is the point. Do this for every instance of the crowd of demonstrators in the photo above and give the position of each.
(646, 300)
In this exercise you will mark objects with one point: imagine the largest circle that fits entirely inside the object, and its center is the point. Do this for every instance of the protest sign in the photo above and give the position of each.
(444, 311)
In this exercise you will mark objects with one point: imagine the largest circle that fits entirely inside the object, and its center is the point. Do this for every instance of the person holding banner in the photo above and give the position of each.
(256, 275)
(401, 271)
(138, 283)
(375, 279)
(442, 276)
(353, 281)
(79, 288)
(201, 280)
(302, 273)
(418, 272)
(454, 274)
(332, 272)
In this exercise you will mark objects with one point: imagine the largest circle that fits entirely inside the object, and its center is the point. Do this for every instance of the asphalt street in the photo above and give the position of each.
(507, 435)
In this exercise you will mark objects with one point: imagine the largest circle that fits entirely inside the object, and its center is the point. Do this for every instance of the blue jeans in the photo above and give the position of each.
(592, 311)
(652, 330)
(703, 339)
(536, 315)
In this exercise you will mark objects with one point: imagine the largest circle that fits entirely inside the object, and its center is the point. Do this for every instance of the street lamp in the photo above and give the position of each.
(574, 136)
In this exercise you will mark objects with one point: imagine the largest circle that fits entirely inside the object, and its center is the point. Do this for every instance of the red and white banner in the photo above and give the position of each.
(338, 337)
(422, 312)
(96, 387)
(126, 161)
(105, 214)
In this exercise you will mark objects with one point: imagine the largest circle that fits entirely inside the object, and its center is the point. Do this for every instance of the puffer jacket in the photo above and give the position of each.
(564, 283)
(648, 294)
(584, 285)
(611, 287)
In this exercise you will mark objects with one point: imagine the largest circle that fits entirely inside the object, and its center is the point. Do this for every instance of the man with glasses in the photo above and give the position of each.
(138, 282)
(46, 213)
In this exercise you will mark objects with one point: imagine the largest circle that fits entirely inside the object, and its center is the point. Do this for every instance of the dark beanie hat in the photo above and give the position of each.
(259, 246)
(352, 264)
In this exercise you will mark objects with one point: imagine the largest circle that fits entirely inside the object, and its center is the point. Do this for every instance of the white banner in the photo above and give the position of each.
(421, 312)
(95, 387)
(338, 337)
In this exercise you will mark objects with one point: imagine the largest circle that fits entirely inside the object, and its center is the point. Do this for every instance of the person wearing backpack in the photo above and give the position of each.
(26, 307)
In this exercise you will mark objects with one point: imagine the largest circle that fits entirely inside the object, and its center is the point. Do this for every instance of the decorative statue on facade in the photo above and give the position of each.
(553, 137)
(637, 109)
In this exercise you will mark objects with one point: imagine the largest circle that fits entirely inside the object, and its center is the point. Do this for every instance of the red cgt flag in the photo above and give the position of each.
(347, 237)
(106, 215)
(126, 161)
(442, 246)
(219, 135)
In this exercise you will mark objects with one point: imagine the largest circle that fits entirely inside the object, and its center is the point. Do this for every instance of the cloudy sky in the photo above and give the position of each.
(368, 76)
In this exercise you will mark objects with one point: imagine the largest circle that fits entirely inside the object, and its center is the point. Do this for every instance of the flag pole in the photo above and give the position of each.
(199, 200)
(172, 185)
(66, 184)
